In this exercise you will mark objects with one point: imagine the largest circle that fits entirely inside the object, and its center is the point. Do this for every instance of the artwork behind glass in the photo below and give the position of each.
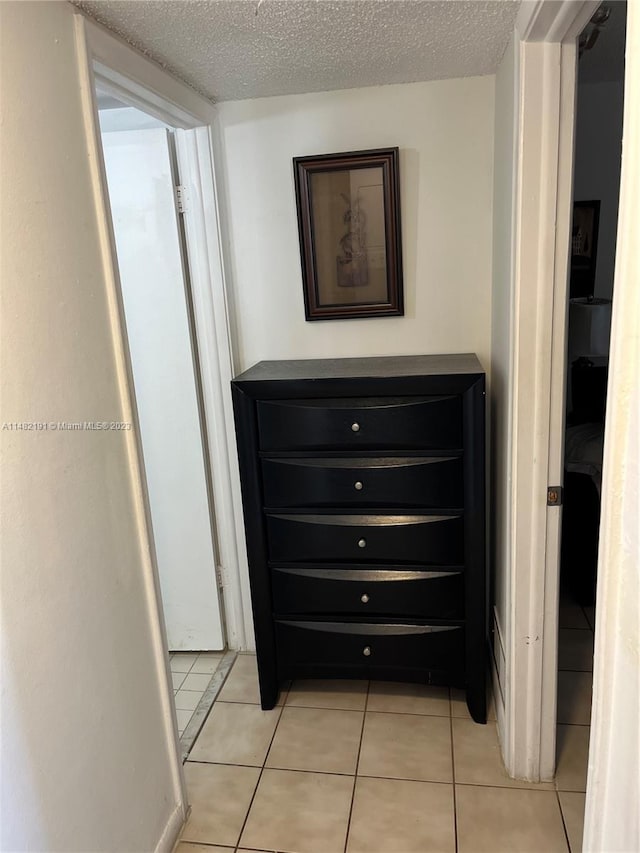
(349, 223)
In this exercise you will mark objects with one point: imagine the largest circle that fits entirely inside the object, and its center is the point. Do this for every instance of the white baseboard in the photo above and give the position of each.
(172, 831)
(498, 672)
(499, 662)
(498, 699)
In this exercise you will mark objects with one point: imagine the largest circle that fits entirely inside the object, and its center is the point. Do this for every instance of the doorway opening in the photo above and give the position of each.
(597, 160)
(148, 200)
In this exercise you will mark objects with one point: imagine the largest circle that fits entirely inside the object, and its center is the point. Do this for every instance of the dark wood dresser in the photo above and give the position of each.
(364, 490)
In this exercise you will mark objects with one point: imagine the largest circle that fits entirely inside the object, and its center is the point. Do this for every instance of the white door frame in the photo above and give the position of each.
(140, 82)
(544, 96)
(215, 342)
(545, 99)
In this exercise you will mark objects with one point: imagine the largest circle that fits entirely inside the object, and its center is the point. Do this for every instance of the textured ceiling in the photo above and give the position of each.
(233, 49)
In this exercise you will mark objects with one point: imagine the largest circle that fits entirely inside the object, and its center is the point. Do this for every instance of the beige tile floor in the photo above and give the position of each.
(191, 673)
(358, 767)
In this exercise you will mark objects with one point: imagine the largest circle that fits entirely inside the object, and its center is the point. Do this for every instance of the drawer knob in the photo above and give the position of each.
(366, 651)
(357, 486)
(355, 427)
(362, 543)
(364, 598)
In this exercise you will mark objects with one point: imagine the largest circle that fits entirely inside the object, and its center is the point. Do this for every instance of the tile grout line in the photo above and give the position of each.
(586, 615)
(384, 778)
(355, 775)
(188, 672)
(453, 775)
(356, 710)
(574, 628)
(564, 825)
(262, 769)
(177, 689)
(532, 786)
(573, 670)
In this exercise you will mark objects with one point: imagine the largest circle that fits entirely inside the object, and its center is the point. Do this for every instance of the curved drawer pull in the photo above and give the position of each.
(365, 520)
(362, 543)
(366, 651)
(371, 629)
(357, 486)
(364, 598)
(372, 575)
(355, 427)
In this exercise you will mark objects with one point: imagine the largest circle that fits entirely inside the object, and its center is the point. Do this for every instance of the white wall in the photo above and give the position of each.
(597, 167)
(501, 340)
(444, 131)
(88, 762)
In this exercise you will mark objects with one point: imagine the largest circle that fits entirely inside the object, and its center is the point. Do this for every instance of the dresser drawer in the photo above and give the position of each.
(381, 422)
(364, 592)
(421, 539)
(402, 482)
(370, 644)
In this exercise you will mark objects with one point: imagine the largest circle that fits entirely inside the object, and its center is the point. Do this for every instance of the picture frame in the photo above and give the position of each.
(584, 248)
(348, 209)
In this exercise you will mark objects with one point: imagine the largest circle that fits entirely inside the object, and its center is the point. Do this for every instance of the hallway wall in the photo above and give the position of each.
(87, 757)
(444, 130)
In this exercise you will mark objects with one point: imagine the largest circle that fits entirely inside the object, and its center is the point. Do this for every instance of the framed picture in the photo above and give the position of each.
(349, 226)
(584, 247)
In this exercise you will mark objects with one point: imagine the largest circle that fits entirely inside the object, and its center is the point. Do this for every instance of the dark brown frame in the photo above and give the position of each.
(304, 168)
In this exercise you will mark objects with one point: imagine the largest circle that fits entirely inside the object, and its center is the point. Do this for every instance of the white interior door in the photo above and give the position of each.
(151, 264)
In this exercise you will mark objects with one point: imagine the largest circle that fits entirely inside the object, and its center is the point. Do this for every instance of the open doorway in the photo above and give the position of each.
(597, 160)
(142, 179)
(147, 201)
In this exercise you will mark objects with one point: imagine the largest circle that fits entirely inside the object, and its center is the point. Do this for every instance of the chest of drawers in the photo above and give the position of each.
(363, 489)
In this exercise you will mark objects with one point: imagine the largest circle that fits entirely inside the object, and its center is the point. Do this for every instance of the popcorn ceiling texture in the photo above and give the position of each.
(235, 49)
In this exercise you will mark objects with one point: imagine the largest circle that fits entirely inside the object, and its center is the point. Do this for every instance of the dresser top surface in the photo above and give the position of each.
(364, 368)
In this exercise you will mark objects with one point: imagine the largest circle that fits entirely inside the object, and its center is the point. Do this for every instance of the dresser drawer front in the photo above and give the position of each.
(402, 482)
(348, 644)
(364, 424)
(368, 592)
(418, 539)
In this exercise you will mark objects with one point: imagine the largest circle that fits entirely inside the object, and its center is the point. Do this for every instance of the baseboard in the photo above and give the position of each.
(173, 830)
(498, 699)
(499, 662)
(498, 672)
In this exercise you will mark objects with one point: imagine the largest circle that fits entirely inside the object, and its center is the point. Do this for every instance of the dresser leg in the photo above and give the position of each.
(269, 696)
(477, 701)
